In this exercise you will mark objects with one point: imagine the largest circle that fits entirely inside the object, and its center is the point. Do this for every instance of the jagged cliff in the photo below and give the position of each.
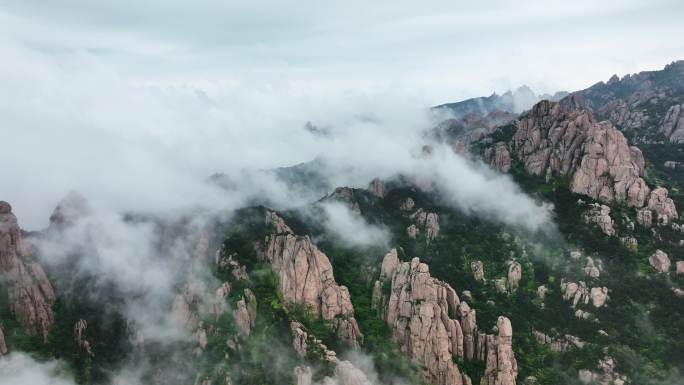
(559, 139)
(30, 294)
(306, 278)
(433, 326)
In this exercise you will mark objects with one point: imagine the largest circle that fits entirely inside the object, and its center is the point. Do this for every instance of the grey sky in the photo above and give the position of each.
(442, 50)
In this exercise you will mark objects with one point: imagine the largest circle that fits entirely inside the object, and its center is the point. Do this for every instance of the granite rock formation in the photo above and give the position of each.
(30, 294)
(306, 276)
(432, 325)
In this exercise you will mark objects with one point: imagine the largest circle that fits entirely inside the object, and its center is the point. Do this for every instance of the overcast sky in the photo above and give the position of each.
(441, 50)
(135, 103)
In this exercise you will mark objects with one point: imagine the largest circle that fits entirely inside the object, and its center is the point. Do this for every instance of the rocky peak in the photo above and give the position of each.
(30, 293)
(306, 277)
(72, 207)
(553, 139)
(432, 325)
(345, 195)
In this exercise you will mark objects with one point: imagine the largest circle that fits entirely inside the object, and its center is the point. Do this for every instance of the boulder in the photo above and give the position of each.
(598, 295)
(660, 261)
(679, 267)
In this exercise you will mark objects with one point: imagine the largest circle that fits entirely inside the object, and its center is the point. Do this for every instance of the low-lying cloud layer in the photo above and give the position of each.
(76, 123)
(19, 368)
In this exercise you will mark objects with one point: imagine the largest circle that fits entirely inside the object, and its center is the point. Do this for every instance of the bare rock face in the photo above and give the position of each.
(377, 188)
(245, 313)
(680, 267)
(502, 367)
(663, 206)
(555, 139)
(600, 214)
(660, 261)
(80, 328)
(498, 157)
(673, 123)
(306, 276)
(30, 293)
(432, 325)
(418, 309)
(514, 275)
(428, 223)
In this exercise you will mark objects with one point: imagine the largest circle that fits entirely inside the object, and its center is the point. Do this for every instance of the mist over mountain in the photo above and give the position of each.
(314, 194)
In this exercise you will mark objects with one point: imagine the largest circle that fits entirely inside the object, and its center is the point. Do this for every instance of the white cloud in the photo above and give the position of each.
(351, 228)
(19, 368)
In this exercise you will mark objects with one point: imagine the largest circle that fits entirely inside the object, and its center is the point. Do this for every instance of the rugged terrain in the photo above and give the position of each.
(446, 297)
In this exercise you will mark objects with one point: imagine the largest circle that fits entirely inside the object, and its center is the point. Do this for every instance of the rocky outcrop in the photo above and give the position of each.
(377, 188)
(407, 204)
(663, 206)
(593, 268)
(346, 196)
(305, 344)
(644, 217)
(432, 325)
(498, 157)
(427, 223)
(501, 365)
(72, 207)
(306, 275)
(559, 344)
(80, 328)
(672, 125)
(245, 313)
(30, 294)
(514, 275)
(660, 261)
(578, 293)
(600, 215)
(478, 270)
(554, 139)
(604, 375)
(219, 304)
